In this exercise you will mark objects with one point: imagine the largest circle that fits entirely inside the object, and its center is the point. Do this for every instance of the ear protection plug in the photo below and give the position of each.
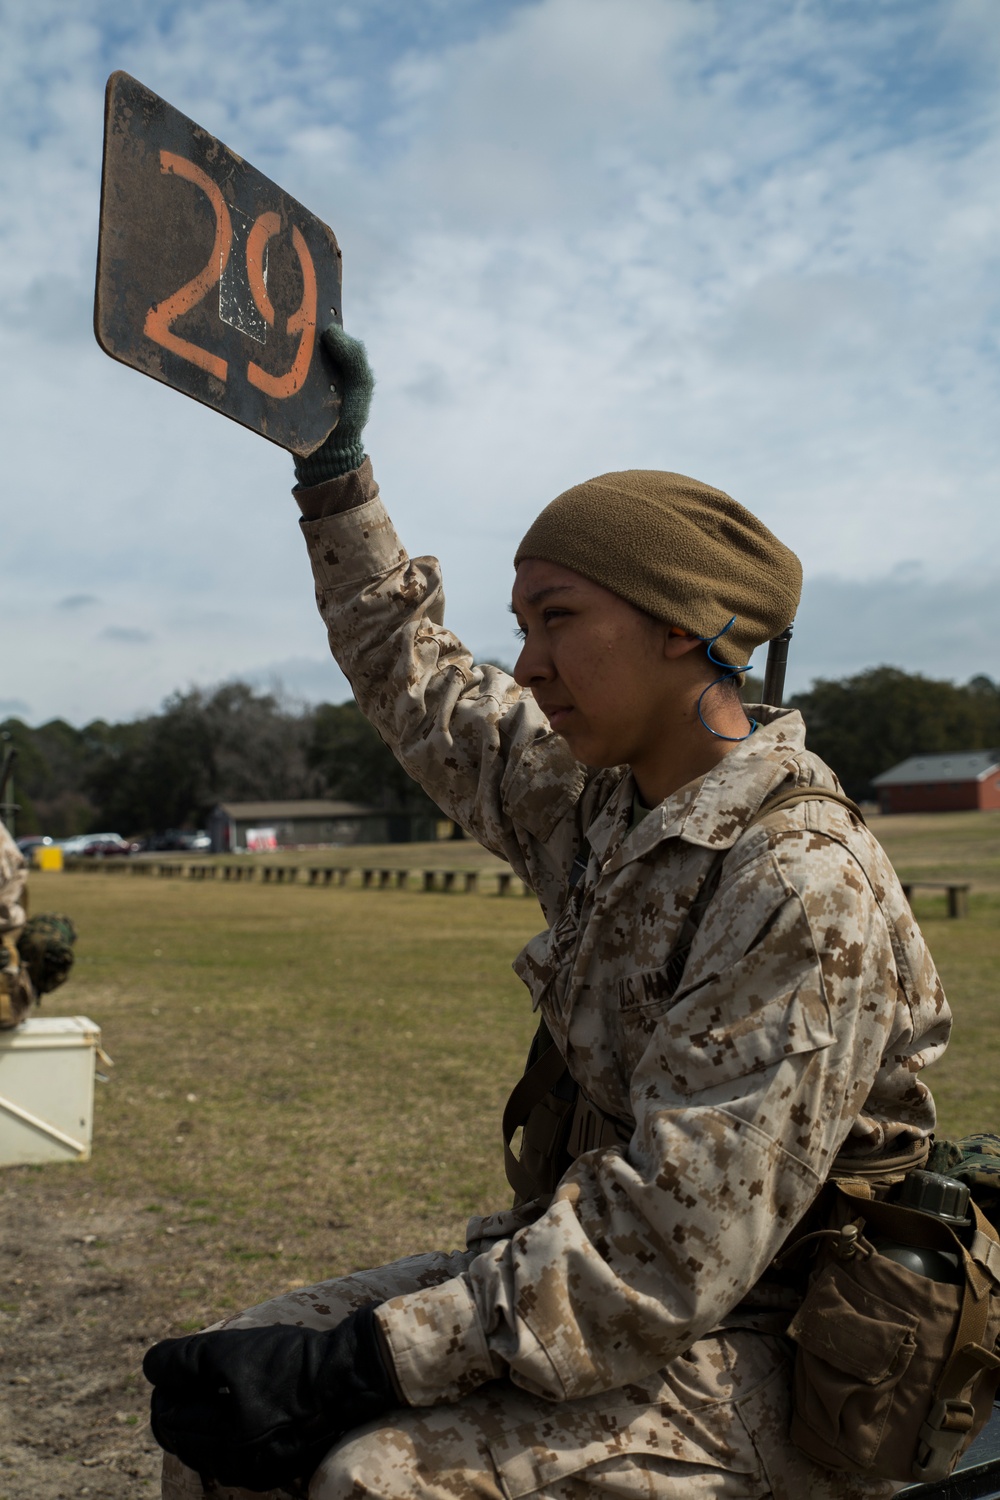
(727, 673)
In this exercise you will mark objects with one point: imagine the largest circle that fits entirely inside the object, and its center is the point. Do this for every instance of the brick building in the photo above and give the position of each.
(941, 783)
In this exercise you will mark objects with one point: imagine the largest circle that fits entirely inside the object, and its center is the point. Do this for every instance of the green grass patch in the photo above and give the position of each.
(967, 953)
(962, 846)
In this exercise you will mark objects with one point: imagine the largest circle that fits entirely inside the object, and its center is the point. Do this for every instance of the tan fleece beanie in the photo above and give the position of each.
(681, 551)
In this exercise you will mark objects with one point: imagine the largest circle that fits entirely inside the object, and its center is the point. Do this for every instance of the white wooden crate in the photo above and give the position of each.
(47, 1089)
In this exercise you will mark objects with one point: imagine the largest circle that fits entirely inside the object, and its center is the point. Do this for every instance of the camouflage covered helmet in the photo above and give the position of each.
(46, 949)
(974, 1160)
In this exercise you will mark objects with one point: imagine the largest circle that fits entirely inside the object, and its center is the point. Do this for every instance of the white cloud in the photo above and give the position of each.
(126, 635)
(78, 601)
(753, 244)
(945, 627)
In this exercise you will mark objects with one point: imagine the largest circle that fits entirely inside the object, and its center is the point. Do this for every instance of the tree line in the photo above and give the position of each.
(864, 724)
(169, 769)
(234, 743)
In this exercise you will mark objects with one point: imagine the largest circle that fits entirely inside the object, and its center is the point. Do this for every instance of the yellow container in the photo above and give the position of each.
(47, 857)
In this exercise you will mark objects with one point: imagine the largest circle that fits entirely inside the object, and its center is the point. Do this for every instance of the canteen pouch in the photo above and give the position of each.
(895, 1373)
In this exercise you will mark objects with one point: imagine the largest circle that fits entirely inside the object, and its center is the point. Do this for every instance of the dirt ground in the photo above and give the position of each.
(74, 1323)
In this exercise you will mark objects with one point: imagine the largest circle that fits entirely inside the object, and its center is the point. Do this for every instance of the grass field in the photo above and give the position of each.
(313, 1076)
(943, 846)
(277, 1048)
(308, 1080)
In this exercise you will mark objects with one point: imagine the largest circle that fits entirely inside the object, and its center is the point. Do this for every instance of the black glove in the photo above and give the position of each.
(258, 1407)
(343, 449)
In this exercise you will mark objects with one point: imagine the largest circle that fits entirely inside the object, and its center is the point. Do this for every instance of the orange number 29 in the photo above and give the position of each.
(162, 315)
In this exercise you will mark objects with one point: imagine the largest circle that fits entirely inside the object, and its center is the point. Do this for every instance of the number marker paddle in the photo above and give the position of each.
(209, 276)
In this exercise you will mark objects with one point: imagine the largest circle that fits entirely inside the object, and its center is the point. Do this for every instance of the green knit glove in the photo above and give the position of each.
(343, 449)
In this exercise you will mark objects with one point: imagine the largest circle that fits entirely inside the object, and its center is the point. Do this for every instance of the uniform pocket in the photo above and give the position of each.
(573, 1437)
(854, 1348)
(643, 999)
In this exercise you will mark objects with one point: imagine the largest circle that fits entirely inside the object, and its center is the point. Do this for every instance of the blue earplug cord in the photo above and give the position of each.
(727, 673)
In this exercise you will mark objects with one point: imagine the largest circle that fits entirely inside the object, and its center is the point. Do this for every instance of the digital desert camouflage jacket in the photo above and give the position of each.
(12, 881)
(807, 1008)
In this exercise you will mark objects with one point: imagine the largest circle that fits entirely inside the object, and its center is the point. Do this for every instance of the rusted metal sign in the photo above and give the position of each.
(209, 277)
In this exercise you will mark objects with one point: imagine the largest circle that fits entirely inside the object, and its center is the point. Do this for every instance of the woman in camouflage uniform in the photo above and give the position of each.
(623, 1336)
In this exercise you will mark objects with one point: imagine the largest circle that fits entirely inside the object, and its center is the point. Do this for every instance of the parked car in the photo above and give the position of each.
(97, 845)
(32, 841)
(182, 839)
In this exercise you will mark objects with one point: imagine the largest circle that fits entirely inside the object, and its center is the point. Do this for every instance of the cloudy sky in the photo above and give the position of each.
(756, 241)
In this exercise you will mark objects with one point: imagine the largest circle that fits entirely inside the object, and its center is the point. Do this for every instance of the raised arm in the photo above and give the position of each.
(479, 746)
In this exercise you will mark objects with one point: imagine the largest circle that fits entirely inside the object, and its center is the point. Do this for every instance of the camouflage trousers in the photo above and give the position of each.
(711, 1426)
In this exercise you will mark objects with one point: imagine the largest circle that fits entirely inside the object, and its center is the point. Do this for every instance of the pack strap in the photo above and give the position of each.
(538, 1080)
(591, 1128)
(945, 1432)
(804, 794)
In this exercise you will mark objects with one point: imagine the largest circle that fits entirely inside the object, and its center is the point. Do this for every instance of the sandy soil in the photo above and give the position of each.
(73, 1328)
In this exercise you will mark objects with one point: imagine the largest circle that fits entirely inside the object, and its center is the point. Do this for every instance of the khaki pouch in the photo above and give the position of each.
(894, 1373)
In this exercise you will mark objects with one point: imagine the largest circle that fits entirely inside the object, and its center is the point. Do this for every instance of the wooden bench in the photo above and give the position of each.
(326, 874)
(958, 893)
(379, 877)
(444, 880)
(383, 878)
